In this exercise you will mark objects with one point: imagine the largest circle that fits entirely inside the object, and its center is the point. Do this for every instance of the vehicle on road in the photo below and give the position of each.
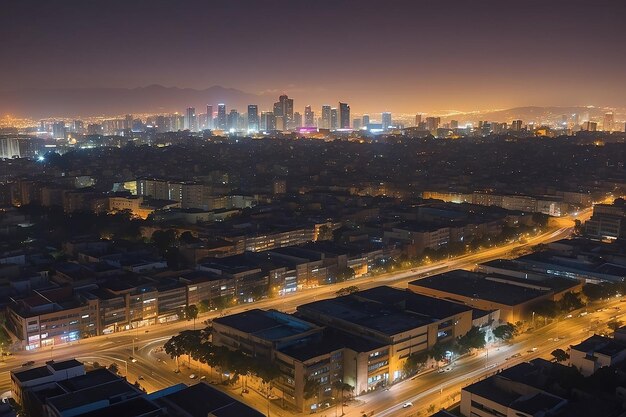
(193, 376)
(407, 404)
(29, 363)
(140, 377)
(133, 360)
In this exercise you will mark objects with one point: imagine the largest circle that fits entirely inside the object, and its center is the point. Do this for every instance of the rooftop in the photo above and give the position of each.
(270, 325)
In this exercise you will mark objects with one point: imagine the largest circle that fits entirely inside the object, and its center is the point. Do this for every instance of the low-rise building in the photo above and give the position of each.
(596, 352)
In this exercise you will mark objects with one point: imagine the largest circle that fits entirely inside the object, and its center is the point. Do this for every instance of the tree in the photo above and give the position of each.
(311, 388)
(203, 306)
(546, 308)
(342, 387)
(473, 339)
(345, 274)
(114, 368)
(560, 355)
(187, 237)
(164, 239)
(595, 292)
(504, 332)
(96, 365)
(415, 362)
(347, 291)
(191, 313)
(615, 324)
(570, 301)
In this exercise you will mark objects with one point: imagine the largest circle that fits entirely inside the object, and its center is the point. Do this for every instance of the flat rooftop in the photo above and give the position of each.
(478, 286)
(269, 325)
(425, 306)
(386, 319)
(202, 400)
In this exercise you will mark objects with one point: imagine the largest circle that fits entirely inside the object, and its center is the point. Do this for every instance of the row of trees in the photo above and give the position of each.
(551, 309)
(473, 339)
(195, 344)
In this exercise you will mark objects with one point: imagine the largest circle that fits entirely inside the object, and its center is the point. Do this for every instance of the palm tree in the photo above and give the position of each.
(342, 386)
(191, 313)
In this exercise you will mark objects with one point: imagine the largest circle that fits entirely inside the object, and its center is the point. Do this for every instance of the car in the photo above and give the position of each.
(133, 360)
(29, 363)
(203, 377)
(407, 404)
(569, 316)
(176, 371)
(140, 377)
(193, 376)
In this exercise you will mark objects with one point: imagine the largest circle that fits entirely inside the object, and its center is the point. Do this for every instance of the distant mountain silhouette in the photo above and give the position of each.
(540, 114)
(82, 102)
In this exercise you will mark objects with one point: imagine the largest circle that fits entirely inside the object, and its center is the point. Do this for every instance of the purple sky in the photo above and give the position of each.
(403, 56)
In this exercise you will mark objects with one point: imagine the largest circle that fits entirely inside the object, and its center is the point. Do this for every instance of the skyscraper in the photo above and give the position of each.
(356, 123)
(253, 117)
(297, 119)
(366, 120)
(209, 117)
(309, 117)
(418, 119)
(334, 118)
(325, 117)
(516, 125)
(386, 120)
(221, 116)
(233, 120)
(609, 122)
(344, 116)
(432, 124)
(284, 107)
(268, 121)
(190, 119)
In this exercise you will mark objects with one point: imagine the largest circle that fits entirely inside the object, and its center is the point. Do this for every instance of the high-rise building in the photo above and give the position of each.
(268, 121)
(386, 120)
(334, 118)
(233, 120)
(590, 126)
(325, 117)
(516, 125)
(432, 124)
(190, 119)
(366, 120)
(287, 104)
(418, 119)
(253, 118)
(280, 123)
(9, 148)
(454, 124)
(309, 117)
(209, 117)
(609, 122)
(297, 119)
(128, 121)
(344, 116)
(221, 117)
(58, 130)
(356, 124)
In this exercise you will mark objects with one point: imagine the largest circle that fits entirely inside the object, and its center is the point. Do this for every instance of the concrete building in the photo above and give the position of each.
(596, 352)
(513, 296)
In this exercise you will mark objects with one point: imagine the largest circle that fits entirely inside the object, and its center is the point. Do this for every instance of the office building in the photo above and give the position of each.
(209, 117)
(190, 119)
(297, 120)
(609, 122)
(344, 116)
(334, 118)
(418, 119)
(366, 120)
(268, 121)
(326, 117)
(9, 147)
(253, 118)
(386, 120)
(222, 120)
(432, 124)
(233, 120)
(356, 124)
(516, 125)
(309, 117)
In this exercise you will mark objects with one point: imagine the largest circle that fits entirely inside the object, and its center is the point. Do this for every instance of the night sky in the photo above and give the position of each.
(378, 55)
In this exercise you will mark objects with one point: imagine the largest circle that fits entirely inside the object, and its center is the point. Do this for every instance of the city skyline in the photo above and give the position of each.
(415, 56)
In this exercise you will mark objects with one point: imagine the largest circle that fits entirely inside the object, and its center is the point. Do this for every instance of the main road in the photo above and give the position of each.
(137, 355)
